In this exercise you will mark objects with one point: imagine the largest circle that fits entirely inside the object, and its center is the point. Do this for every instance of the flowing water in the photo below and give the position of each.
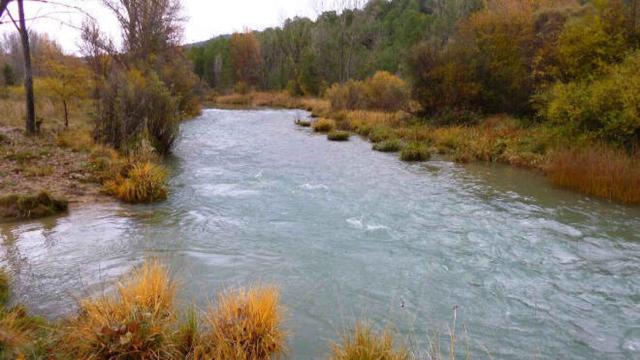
(347, 233)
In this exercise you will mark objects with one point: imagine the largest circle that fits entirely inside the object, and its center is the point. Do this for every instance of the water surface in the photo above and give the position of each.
(348, 233)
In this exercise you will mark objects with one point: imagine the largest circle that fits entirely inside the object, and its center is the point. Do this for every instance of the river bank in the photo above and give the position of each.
(350, 234)
(581, 165)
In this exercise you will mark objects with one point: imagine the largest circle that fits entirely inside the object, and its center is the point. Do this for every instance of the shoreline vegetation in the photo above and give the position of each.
(593, 168)
(141, 319)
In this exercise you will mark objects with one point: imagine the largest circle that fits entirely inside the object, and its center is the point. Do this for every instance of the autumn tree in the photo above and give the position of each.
(245, 54)
(68, 80)
(148, 26)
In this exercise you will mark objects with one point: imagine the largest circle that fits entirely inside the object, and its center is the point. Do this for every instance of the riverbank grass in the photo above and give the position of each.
(303, 123)
(143, 182)
(365, 344)
(415, 152)
(136, 322)
(23, 207)
(338, 135)
(391, 145)
(246, 325)
(323, 125)
(600, 171)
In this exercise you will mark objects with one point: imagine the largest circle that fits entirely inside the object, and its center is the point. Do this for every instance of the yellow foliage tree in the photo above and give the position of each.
(68, 80)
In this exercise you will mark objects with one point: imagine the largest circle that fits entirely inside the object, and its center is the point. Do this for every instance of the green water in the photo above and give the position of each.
(348, 233)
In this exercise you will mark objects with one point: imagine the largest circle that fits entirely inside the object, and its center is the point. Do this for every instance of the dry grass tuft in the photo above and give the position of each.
(144, 182)
(76, 140)
(338, 135)
(391, 145)
(303, 123)
(599, 171)
(365, 344)
(15, 335)
(136, 323)
(246, 325)
(324, 125)
(415, 152)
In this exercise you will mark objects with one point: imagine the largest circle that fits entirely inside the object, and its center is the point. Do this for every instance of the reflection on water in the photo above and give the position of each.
(350, 233)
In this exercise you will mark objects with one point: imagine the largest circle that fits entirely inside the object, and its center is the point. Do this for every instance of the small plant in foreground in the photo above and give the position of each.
(365, 344)
(415, 152)
(246, 325)
(303, 123)
(391, 145)
(31, 206)
(338, 135)
(144, 182)
(323, 125)
(15, 335)
(136, 323)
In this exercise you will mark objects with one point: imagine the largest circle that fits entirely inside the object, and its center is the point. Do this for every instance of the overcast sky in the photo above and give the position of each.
(206, 18)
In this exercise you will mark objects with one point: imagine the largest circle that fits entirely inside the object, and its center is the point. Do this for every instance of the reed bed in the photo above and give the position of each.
(600, 171)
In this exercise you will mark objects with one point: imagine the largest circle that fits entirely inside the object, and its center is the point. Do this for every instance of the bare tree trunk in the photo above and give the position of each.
(66, 114)
(28, 73)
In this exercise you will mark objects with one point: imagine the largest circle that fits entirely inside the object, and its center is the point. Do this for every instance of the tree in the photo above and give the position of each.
(21, 25)
(67, 81)
(149, 27)
(245, 54)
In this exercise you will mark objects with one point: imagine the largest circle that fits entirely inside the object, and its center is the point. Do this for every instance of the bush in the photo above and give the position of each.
(365, 344)
(143, 182)
(352, 95)
(134, 106)
(323, 125)
(338, 135)
(31, 206)
(415, 152)
(386, 92)
(606, 108)
(245, 325)
(136, 323)
(391, 145)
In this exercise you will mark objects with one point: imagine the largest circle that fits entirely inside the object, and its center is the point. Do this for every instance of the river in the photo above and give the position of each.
(348, 233)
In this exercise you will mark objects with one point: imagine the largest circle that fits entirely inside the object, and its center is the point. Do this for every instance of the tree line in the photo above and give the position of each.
(569, 63)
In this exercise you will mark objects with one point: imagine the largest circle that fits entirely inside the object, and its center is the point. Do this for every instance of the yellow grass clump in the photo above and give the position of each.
(415, 152)
(144, 182)
(76, 140)
(599, 171)
(245, 325)
(324, 125)
(366, 344)
(338, 135)
(15, 335)
(136, 323)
